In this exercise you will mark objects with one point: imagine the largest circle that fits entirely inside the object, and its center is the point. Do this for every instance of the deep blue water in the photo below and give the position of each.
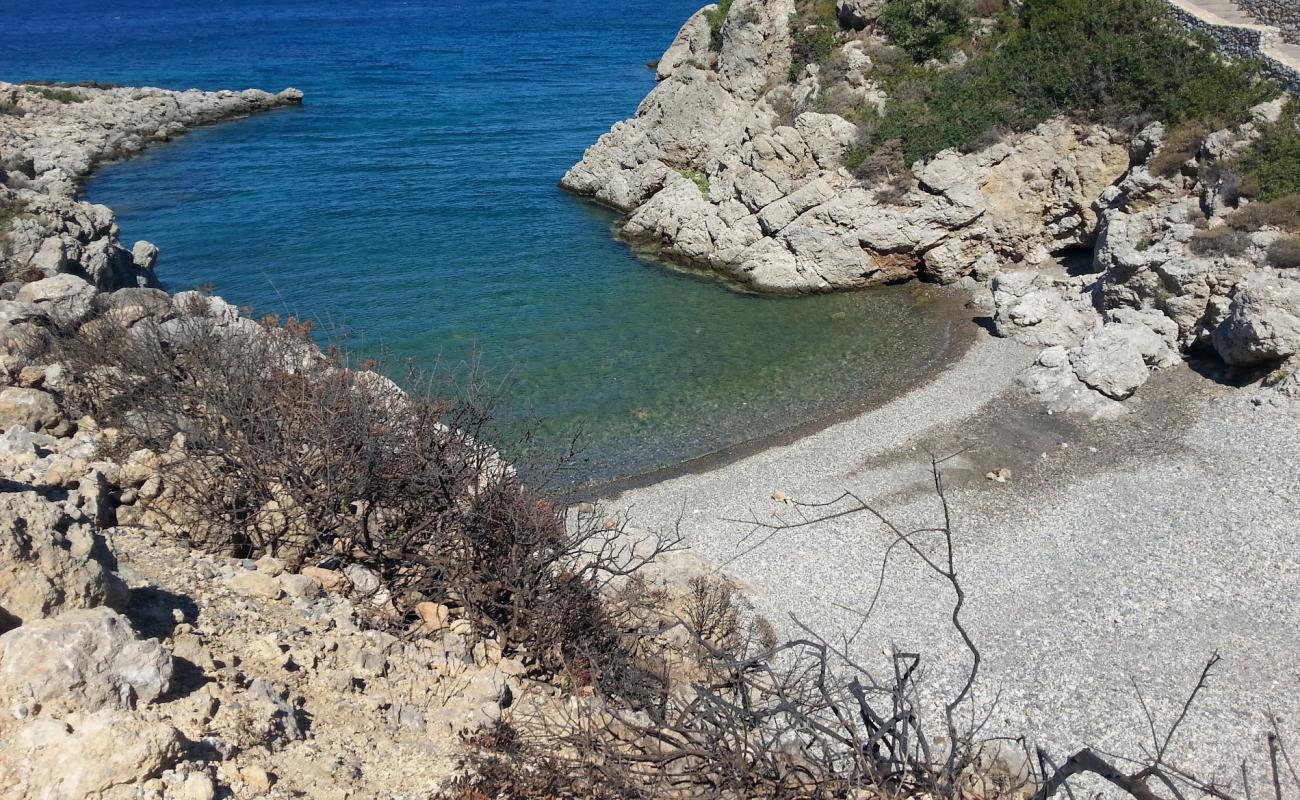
(412, 204)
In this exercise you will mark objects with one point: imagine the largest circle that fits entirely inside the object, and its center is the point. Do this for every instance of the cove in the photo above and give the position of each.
(411, 204)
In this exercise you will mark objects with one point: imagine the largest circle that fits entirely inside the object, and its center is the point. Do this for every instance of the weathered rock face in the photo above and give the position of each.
(1263, 322)
(780, 214)
(86, 755)
(50, 562)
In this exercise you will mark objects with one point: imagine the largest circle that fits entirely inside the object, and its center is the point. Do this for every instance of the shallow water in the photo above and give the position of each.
(412, 204)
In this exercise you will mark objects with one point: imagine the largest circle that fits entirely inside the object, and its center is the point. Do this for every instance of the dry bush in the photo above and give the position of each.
(1182, 143)
(1221, 241)
(269, 446)
(1283, 213)
(1285, 253)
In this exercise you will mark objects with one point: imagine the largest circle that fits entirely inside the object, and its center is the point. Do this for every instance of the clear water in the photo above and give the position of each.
(412, 202)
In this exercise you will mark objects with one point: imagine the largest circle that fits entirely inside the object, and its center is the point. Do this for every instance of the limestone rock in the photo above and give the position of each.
(66, 298)
(33, 409)
(691, 46)
(85, 755)
(1118, 358)
(857, 14)
(1263, 323)
(83, 660)
(49, 564)
(144, 255)
(255, 583)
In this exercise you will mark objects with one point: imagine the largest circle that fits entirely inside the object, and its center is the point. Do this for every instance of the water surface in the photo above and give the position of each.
(412, 203)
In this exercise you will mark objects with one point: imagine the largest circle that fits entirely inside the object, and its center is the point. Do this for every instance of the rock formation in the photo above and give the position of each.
(716, 171)
(130, 665)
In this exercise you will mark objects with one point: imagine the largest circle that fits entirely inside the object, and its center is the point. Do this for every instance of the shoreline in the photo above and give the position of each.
(1106, 556)
(960, 336)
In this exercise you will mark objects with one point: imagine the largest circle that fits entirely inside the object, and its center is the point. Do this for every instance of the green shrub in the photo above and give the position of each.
(926, 29)
(700, 180)
(716, 18)
(1273, 163)
(1098, 60)
(815, 31)
(61, 96)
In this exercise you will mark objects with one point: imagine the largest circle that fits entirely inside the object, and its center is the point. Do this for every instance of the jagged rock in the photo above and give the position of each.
(1039, 310)
(32, 409)
(128, 306)
(690, 46)
(1263, 323)
(50, 564)
(66, 298)
(83, 660)
(86, 754)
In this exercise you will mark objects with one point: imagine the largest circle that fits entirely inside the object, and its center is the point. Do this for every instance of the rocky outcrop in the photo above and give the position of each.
(130, 664)
(1152, 293)
(84, 660)
(712, 173)
(51, 561)
(50, 140)
(717, 171)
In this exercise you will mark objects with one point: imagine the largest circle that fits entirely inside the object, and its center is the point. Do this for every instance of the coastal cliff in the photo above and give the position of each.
(757, 157)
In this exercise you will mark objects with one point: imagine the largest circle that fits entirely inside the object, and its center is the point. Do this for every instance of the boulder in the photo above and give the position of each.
(50, 564)
(1119, 357)
(32, 409)
(83, 660)
(86, 755)
(1263, 322)
(66, 298)
(144, 255)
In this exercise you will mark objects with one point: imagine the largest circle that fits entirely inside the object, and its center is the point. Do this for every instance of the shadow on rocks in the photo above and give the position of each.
(156, 612)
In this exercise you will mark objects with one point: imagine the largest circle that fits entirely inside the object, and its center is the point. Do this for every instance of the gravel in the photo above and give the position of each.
(1118, 553)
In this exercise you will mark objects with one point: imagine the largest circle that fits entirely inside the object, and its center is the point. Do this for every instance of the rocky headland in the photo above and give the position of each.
(734, 164)
(349, 595)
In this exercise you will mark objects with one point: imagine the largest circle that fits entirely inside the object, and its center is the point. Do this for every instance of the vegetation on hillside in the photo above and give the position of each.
(1099, 61)
(814, 31)
(926, 29)
(716, 18)
(1112, 61)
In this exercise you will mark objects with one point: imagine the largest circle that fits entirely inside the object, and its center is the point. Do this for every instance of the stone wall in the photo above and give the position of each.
(1283, 14)
(1243, 41)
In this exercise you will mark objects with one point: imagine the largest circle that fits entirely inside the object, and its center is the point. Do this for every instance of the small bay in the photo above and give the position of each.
(412, 205)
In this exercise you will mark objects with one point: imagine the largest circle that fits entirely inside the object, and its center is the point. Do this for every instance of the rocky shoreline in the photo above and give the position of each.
(52, 138)
(717, 171)
(133, 666)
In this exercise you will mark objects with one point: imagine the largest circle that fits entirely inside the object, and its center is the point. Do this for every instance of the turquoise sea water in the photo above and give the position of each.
(412, 204)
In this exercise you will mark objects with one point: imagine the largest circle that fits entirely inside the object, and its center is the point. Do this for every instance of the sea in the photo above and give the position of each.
(411, 209)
